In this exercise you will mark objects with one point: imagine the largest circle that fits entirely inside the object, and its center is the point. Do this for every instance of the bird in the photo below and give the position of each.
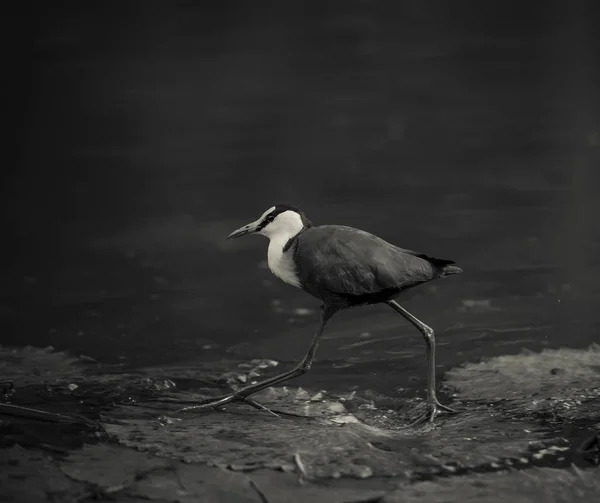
(343, 267)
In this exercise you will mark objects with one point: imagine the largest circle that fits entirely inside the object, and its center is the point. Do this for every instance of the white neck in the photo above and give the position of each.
(285, 226)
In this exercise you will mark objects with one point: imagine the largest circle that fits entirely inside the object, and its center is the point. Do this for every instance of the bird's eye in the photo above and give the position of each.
(270, 218)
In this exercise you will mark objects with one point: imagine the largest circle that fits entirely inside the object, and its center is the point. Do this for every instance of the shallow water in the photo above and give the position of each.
(465, 137)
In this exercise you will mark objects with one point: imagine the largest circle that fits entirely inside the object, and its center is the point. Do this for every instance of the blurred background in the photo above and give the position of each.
(144, 132)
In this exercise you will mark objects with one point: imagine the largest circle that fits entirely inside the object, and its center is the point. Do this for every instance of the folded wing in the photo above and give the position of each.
(348, 261)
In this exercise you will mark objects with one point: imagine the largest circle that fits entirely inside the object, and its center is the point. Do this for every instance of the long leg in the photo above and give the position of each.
(303, 366)
(433, 404)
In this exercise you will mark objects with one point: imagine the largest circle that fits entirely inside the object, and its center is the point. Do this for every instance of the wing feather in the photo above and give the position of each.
(348, 261)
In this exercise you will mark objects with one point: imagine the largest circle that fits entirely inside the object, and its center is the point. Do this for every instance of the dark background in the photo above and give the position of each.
(144, 132)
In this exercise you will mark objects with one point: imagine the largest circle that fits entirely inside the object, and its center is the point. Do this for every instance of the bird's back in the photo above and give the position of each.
(344, 262)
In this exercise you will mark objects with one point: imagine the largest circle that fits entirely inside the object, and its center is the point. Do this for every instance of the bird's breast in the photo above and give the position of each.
(282, 262)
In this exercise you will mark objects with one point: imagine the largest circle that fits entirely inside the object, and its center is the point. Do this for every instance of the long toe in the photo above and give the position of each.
(275, 412)
(420, 415)
(445, 408)
(433, 410)
(217, 402)
(259, 406)
(212, 403)
(421, 419)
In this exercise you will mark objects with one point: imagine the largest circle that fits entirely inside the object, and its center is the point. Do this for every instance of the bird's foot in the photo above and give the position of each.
(433, 409)
(220, 401)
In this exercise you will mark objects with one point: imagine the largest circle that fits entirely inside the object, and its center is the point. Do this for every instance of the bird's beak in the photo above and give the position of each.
(242, 231)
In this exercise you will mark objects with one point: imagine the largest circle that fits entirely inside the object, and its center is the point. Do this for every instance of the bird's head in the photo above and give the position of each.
(280, 220)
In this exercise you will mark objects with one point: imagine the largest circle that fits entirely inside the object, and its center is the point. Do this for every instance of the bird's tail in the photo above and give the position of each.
(442, 266)
(447, 270)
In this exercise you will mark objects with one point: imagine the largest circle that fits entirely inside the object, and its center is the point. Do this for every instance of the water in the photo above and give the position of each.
(150, 136)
